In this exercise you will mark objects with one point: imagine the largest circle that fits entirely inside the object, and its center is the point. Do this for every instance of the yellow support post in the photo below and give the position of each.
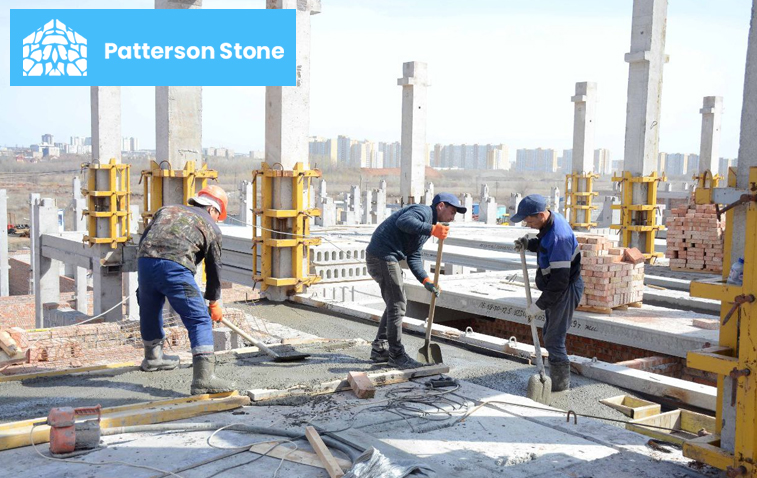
(111, 204)
(283, 228)
(193, 180)
(580, 201)
(735, 357)
(639, 218)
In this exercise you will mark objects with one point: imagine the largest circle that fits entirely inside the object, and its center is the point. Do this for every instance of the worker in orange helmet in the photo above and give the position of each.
(178, 238)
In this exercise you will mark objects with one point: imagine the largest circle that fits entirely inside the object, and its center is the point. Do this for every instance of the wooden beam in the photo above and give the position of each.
(297, 456)
(68, 371)
(361, 384)
(380, 378)
(329, 463)
(17, 434)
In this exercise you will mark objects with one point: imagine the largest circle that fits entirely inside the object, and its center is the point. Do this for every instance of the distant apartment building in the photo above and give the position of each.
(675, 164)
(692, 165)
(47, 139)
(565, 162)
(322, 151)
(50, 152)
(724, 164)
(129, 144)
(392, 154)
(602, 162)
(469, 156)
(536, 160)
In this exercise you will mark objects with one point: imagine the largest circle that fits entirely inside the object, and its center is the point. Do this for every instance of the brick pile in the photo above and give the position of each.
(695, 238)
(613, 276)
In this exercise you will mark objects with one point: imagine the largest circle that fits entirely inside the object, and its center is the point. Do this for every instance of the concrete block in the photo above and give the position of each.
(225, 339)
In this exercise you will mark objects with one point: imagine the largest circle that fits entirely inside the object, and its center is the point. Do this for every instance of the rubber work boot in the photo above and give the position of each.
(559, 372)
(155, 360)
(204, 379)
(380, 351)
(404, 361)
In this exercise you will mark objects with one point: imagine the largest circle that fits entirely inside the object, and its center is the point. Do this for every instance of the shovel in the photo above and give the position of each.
(539, 385)
(432, 353)
(288, 357)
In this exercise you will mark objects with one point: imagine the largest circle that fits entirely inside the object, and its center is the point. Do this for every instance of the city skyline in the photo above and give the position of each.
(479, 63)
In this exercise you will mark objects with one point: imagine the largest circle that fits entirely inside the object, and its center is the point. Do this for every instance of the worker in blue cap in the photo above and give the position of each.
(401, 237)
(558, 277)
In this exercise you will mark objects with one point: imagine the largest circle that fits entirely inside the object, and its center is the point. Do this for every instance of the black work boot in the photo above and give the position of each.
(559, 372)
(203, 376)
(404, 361)
(155, 359)
(380, 351)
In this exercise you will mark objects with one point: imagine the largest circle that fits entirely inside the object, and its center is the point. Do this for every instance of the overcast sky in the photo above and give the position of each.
(502, 71)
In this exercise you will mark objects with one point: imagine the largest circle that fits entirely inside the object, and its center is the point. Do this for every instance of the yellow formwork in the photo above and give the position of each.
(580, 201)
(193, 180)
(112, 204)
(641, 218)
(736, 353)
(706, 182)
(283, 228)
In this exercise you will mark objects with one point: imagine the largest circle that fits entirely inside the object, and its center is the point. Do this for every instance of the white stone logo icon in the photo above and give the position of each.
(55, 50)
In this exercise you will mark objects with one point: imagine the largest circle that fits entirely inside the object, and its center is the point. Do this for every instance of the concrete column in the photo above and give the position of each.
(380, 210)
(515, 199)
(555, 198)
(328, 212)
(467, 202)
(645, 64)
(584, 116)
(322, 188)
(287, 125)
(106, 144)
(46, 270)
(245, 203)
(747, 159)
(428, 194)
(414, 84)
(4, 286)
(355, 205)
(709, 148)
(80, 224)
(367, 207)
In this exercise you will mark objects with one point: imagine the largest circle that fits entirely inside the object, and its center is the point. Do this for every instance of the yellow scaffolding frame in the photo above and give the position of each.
(576, 200)
(153, 186)
(293, 223)
(735, 355)
(640, 218)
(112, 204)
(706, 182)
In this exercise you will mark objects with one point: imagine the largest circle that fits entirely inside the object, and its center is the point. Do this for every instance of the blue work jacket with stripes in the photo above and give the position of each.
(557, 257)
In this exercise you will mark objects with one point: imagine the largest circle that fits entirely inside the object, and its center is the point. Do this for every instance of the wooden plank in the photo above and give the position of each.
(15, 435)
(8, 345)
(68, 371)
(361, 384)
(297, 456)
(378, 379)
(329, 463)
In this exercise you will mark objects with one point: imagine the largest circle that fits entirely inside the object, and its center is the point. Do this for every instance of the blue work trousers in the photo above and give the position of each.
(161, 279)
(559, 317)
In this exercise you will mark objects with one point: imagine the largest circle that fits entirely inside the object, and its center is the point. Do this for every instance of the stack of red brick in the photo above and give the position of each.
(613, 276)
(695, 238)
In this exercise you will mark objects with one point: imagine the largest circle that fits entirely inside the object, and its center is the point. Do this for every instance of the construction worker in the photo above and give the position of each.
(558, 278)
(178, 238)
(401, 236)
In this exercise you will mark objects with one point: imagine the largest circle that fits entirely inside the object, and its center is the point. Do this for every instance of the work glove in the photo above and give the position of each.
(436, 290)
(532, 311)
(216, 311)
(440, 230)
(521, 244)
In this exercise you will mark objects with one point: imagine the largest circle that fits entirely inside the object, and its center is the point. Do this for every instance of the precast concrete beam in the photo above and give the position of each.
(414, 83)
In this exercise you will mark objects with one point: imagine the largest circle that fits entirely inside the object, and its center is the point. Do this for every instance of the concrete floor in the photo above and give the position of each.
(498, 440)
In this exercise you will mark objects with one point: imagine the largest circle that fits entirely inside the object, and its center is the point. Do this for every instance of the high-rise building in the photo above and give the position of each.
(323, 151)
(692, 165)
(662, 162)
(675, 164)
(134, 143)
(724, 164)
(537, 160)
(602, 162)
(47, 139)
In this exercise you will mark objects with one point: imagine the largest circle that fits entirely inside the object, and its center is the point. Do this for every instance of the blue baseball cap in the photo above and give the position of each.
(450, 199)
(531, 204)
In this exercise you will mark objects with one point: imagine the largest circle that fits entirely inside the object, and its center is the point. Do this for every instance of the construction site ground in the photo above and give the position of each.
(495, 440)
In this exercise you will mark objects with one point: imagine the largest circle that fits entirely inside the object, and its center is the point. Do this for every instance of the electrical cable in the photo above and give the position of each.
(126, 299)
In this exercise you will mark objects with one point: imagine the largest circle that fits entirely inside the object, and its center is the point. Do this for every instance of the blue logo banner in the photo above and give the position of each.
(182, 47)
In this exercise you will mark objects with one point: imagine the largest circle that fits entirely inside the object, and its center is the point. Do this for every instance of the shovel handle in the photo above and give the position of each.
(534, 332)
(244, 335)
(432, 305)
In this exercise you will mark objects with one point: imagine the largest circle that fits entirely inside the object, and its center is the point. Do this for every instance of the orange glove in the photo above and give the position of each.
(440, 230)
(216, 312)
(434, 289)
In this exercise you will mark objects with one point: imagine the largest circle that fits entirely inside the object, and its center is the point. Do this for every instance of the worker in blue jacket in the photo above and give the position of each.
(401, 237)
(558, 278)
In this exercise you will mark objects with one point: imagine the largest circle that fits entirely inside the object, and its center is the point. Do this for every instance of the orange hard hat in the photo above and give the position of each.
(217, 193)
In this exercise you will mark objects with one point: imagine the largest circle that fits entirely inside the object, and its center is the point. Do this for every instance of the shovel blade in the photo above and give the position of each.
(540, 389)
(431, 354)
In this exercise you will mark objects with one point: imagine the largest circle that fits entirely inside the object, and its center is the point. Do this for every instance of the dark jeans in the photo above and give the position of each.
(161, 279)
(559, 317)
(389, 278)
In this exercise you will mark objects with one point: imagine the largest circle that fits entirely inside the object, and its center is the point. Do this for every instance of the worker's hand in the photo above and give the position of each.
(533, 311)
(439, 230)
(521, 244)
(436, 290)
(216, 311)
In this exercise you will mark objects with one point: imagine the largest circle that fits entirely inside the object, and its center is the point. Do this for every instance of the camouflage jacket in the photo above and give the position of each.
(186, 235)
